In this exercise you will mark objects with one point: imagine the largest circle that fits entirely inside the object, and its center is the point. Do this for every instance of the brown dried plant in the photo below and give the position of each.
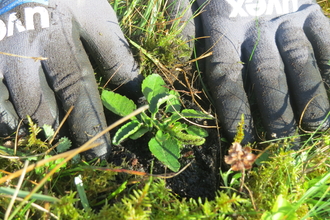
(240, 158)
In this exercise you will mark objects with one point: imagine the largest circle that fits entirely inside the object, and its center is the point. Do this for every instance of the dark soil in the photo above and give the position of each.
(200, 179)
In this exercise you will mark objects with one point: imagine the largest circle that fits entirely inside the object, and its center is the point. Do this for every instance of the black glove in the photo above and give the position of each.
(280, 48)
(68, 34)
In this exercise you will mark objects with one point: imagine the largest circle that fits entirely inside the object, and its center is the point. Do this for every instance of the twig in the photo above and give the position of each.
(16, 136)
(15, 55)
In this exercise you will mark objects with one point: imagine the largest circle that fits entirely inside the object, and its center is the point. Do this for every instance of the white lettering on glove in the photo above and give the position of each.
(245, 8)
(13, 21)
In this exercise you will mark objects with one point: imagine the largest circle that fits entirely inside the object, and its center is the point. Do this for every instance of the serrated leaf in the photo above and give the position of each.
(64, 145)
(190, 139)
(166, 149)
(152, 86)
(174, 104)
(157, 101)
(198, 131)
(139, 133)
(49, 131)
(118, 104)
(125, 131)
(189, 113)
(178, 126)
(178, 130)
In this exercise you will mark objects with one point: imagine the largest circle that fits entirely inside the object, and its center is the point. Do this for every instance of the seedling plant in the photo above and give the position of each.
(164, 119)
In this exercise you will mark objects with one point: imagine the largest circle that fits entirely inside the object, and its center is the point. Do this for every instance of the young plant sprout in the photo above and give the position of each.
(162, 119)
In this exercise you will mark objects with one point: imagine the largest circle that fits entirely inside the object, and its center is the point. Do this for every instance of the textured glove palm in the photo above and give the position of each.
(61, 31)
(281, 49)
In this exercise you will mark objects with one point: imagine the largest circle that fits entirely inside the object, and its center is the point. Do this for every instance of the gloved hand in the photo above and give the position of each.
(281, 49)
(68, 34)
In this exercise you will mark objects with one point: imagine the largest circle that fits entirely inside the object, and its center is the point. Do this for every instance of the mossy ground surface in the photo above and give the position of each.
(283, 184)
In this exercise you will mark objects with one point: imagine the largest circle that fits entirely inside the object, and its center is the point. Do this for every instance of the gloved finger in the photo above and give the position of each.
(8, 117)
(224, 75)
(224, 71)
(266, 71)
(317, 30)
(106, 43)
(29, 90)
(304, 79)
(74, 83)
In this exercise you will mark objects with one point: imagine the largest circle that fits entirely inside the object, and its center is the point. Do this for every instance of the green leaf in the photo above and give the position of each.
(76, 159)
(157, 101)
(178, 126)
(43, 170)
(52, 164)
(198, 131)
(64, 145)
(118, 104)
(81, 191)
(174, 104)
(166, 149)
(265, 156)
(320, 186)
(315, 189)
(152, 86)
(146, 120)
(190, 113)
(125, 131)
(282, 209)
(121, 188)
(49, 131)
(139, 133)
(178, 130)
(23, 194)
(10, 152)
(189, 138)
(326, 140)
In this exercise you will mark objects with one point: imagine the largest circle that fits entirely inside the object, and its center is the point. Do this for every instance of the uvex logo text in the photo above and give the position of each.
(14, 22)
(245, 8)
